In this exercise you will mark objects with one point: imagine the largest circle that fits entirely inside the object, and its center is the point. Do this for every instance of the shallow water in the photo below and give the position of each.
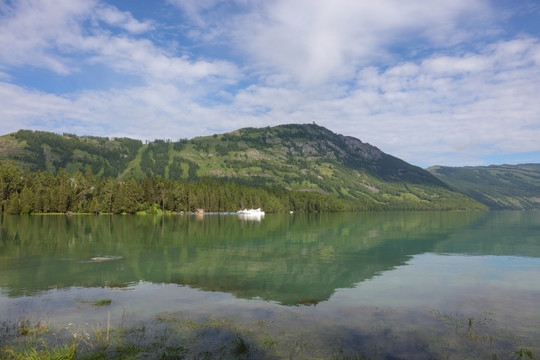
(404, 284)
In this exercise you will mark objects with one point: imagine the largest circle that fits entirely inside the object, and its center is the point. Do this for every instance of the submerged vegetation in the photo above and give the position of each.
(100, 302)
(172, 336)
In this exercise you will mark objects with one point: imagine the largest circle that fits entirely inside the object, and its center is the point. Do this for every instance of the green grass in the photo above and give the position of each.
(102, 302)
(177, 337)
(133, 168)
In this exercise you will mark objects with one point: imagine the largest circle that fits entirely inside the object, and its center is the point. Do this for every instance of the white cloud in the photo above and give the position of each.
(27, 108)
(194, 8)
(112, 16)
(329, 62)
(443, 107)
(316, 40)
(142, 57)
(32, 28)
(413, 110)
(467, 105)
(151, 111)
(50, 34)
(448, 65)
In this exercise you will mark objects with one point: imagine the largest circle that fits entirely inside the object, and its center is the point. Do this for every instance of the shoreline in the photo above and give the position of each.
(170, 336)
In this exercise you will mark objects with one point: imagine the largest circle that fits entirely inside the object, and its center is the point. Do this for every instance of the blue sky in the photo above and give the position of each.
(432, 82)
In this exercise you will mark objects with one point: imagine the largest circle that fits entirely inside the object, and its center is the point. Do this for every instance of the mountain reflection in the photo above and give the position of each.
(289, 259)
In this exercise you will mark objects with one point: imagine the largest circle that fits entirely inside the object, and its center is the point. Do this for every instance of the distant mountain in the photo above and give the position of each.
(498, 187)
(306, 158)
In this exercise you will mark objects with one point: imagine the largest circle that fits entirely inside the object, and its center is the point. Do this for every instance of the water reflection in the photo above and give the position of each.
(288, 259)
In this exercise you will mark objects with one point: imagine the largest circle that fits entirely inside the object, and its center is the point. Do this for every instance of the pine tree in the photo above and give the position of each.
(132, 196)
(61, 199)
(10, 182)
(14, 203)
(27, 200)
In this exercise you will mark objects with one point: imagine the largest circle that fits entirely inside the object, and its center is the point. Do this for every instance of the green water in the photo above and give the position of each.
(344, 274)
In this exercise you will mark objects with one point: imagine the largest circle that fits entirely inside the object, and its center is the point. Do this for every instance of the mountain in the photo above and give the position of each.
(40, 151)
(497, 186)
(302, 158)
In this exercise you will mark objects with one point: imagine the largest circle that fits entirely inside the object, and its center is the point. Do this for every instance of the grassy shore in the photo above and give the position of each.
(177, 337)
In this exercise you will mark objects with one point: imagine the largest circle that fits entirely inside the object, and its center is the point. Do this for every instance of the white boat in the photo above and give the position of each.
(251, 214)
(257, 212)
(105, 258)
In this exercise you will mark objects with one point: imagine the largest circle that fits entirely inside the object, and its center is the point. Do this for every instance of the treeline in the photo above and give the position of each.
(22, 192)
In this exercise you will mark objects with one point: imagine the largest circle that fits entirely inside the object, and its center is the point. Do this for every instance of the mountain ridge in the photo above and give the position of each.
(295, 157)
(515, 187)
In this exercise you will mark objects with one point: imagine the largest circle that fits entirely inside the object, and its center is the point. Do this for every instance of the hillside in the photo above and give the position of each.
(497, 186)
(301, 158)
(45, 151)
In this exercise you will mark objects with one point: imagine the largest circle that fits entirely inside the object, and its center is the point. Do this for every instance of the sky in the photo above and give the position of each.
(452, 83)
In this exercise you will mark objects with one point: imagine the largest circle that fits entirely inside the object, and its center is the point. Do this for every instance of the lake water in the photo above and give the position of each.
(389, 285)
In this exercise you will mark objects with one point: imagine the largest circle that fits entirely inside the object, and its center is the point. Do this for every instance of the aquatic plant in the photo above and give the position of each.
(173, 336)
(524, 353)
(102, 302)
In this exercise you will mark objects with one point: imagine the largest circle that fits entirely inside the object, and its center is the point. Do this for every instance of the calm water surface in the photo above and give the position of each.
(363, 278)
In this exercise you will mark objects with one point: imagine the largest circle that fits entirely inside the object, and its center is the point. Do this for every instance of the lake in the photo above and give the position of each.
(389, 285)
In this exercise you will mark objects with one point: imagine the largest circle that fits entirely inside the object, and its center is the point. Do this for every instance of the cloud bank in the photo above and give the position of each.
(452, 84)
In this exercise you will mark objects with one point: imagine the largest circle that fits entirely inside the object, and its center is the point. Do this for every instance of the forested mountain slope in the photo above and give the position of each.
(497, 186)
(40, 150)
(301, 158)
